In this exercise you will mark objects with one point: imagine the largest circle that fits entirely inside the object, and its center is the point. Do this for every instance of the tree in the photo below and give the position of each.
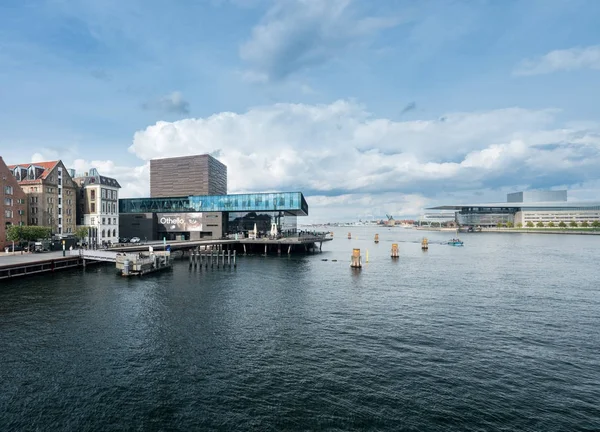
(499, 225)
(573, 224)
(81, 232)
(540, 224)
(529, 224)
(550, 224)
(562, 224)
(585, 224)
(596, 224)
(15, 233)
(510, 225)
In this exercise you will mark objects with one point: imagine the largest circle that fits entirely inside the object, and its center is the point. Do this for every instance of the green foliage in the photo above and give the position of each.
(596, 224)
(585, 224)
(499, 225)
(81, 232)
(529, 224)
(573, 224)
(562, 224)
(510, 225)
(519, 225)
(550, 224)
(27, 233)
(540, 224)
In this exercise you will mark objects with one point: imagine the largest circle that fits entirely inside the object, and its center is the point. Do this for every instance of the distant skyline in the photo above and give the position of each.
(368, 108)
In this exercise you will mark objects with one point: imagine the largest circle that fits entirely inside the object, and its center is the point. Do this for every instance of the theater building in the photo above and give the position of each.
(524, 207)
(210, 216)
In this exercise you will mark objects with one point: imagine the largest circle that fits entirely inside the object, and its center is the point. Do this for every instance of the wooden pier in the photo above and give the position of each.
(213, 253)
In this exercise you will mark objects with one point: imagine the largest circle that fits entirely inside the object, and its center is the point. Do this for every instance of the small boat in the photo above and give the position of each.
(455, 242)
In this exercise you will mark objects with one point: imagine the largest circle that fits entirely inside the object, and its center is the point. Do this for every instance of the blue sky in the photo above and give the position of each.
(368, 107)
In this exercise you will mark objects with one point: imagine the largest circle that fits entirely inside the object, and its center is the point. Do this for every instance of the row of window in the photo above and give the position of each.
(9, 201)
(106, 207)
(8, 190)
(105, 221)
(9, 213)
(106, 233)
(105, 193)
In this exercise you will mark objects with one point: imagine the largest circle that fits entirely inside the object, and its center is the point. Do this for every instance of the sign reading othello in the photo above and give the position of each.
(179, 222)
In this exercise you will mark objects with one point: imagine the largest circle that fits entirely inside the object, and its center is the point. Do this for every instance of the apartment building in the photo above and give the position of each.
(98, 205)
(50, 195)
(13, 203)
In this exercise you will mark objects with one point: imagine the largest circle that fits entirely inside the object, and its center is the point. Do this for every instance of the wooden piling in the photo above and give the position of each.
(395, 253)
(356, 261)
(376, 238)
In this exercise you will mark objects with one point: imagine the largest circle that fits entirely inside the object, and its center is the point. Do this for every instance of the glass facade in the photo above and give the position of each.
(242, 222)
(292, 203)
(485, 216)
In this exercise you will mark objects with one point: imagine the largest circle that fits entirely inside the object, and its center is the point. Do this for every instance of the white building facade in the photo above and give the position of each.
(98, 207)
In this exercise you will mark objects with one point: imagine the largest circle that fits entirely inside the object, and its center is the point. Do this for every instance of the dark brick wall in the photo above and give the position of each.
(187, 175)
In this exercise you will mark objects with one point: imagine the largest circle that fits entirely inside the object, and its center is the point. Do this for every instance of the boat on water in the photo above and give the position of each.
(455, 242)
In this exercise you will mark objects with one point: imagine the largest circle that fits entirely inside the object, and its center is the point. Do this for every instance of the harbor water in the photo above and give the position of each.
(502, 334)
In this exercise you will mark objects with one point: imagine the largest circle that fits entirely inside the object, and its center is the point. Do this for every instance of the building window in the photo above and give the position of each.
(93, 207)
(114, 221)
(8, 190)
(114, 233)
(93, 194)
(8, 201)
(8, 213)
(59, 230)
(93, 220)
(103, 233)
(103, 221)
(103, 207)
(59, 201)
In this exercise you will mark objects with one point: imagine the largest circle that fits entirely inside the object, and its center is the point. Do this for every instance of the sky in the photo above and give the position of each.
(368, 108)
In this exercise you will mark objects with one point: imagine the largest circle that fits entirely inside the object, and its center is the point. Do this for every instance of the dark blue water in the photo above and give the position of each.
(500, 335)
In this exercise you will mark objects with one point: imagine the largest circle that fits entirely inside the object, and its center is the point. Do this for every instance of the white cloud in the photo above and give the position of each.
(134, 180)
(567, 60)
(341, 153)
(298, 34)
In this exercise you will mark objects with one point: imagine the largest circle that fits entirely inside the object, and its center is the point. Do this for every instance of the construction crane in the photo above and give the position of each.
(390, 217)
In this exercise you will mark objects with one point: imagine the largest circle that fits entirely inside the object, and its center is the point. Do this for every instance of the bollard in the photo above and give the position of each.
(228, 257)
(376, 238)
(234, 264)
(191, 257)
(212, 256)
(425, 244)
(395, 253)
(349, 236)
(356, 259)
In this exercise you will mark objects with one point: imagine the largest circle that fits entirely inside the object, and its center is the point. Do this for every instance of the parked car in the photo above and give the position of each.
(134, 240)
(123, 240)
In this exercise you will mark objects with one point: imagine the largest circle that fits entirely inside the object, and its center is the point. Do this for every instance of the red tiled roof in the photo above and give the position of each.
(48, 167)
